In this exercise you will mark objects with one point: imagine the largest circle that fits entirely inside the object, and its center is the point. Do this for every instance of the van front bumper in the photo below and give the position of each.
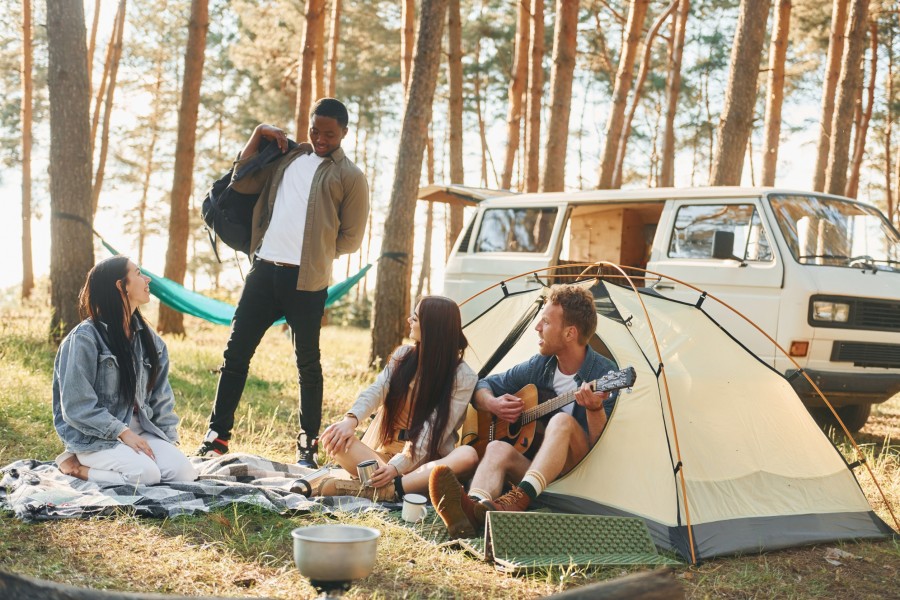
(844, 389)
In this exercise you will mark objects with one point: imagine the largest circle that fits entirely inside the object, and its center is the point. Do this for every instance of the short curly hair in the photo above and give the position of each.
(578, 308)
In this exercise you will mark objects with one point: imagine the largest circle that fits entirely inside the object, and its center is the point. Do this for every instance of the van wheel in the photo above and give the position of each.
(853, 416)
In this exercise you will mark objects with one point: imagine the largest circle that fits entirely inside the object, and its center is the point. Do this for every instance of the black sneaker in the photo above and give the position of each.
(212, 446)
(307, 451)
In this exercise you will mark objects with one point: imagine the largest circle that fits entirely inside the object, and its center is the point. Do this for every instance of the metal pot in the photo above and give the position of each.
(339, 553)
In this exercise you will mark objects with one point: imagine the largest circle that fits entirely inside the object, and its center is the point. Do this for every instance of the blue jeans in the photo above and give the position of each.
(270, 292)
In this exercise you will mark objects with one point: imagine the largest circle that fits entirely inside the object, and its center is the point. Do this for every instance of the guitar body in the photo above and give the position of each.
(520, 436)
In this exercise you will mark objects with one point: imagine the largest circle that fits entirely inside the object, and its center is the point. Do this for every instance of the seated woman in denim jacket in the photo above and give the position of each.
(112, 402)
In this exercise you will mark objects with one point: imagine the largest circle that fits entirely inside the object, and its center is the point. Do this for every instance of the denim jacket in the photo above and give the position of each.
(540, 371)
(88, 412)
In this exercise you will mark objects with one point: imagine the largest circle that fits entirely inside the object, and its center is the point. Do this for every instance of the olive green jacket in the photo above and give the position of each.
(336, 214)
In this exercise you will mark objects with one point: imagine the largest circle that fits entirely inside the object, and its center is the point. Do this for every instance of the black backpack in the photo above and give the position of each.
(228, 215)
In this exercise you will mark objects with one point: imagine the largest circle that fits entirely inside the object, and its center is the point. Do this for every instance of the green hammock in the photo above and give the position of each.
(215, 311)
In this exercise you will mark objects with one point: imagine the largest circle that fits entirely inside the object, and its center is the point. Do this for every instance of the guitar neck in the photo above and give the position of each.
(545, 408)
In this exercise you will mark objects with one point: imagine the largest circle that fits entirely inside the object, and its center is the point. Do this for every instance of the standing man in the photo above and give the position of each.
(312, 208)
(564, 363)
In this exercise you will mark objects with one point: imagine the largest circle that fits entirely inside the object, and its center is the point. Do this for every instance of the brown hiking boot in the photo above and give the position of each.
(462, 515)
(333, 486)
(515, 500)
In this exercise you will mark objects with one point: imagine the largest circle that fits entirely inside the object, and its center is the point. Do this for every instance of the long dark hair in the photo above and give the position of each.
(431, 368)
(103, 301)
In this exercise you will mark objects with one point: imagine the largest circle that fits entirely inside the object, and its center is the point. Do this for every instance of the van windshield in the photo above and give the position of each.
(836, 233)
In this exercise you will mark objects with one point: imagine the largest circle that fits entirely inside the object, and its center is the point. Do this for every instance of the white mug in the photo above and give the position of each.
(414, 509)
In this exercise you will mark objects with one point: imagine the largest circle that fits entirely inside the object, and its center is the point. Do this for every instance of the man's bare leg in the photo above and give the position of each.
(501, 463)
(563, 447)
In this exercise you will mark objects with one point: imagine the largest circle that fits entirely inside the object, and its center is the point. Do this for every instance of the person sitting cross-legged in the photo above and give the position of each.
(565, 363)
(421, 398)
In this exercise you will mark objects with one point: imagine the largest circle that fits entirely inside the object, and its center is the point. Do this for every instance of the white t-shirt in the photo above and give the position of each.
(564, 383)
(283, 241)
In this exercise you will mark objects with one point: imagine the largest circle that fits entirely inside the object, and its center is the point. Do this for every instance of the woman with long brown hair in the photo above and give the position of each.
(113, 406)
(421, 398)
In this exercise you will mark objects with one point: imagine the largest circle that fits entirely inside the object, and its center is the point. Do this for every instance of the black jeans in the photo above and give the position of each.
(270, 292)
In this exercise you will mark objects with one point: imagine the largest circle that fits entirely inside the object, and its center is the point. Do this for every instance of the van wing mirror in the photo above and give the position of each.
(723, 245)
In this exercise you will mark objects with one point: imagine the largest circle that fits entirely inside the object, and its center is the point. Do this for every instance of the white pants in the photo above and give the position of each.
(122, 465)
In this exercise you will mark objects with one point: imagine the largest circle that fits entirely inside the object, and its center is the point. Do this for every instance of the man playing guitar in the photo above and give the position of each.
(565, 363)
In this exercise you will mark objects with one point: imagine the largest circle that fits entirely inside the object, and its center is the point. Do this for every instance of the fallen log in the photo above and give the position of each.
(649, 585)
(19, 587)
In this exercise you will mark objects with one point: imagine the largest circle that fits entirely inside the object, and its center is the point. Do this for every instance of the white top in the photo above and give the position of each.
(284, 237)
(564, 383)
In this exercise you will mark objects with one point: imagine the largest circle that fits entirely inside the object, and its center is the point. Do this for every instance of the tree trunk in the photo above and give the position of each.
(407, 41)
(832, 74)
(624, 76)
(27, 89)
(455, 81)
(71, 244)
(775, 91)
(859, 145)
(517, 87)
(118, 36)
(673, 89)
(319, 90)
(889, 125)
(171, 321)
(536, 90)
(836, 172)
(425, 273)
(333, 48)
(92, 43)
(314, 9)
(564, 40)
(393, 280)
(101, 92)
(740, 95)
(619, 165)
(153, 126)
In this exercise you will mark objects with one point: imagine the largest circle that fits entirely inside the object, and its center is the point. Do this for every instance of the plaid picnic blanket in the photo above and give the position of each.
(38, 491)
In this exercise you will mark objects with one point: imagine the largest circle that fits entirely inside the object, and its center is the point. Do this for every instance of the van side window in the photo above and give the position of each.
(515, 230)
(720, 231)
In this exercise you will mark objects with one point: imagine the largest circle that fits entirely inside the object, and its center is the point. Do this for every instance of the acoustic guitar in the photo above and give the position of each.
(521, 434)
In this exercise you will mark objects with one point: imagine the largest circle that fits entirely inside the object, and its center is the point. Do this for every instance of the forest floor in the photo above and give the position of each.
(248, 552)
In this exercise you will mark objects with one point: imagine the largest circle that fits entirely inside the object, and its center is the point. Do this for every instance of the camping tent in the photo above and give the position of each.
(755, 471)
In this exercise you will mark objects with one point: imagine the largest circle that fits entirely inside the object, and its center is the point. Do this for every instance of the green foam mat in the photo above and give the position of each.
(531, 540)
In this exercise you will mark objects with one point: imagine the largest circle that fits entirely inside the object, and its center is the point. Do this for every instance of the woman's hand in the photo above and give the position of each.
(338, 437)
(383, 475)
(136, 443)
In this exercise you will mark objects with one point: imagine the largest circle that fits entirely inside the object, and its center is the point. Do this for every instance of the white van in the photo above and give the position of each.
(819, 273)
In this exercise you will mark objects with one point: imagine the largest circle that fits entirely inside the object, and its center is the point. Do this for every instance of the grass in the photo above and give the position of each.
(247, 551)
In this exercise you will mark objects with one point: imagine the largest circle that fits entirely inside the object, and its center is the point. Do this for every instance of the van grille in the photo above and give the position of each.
(867, 355)
(865, 313)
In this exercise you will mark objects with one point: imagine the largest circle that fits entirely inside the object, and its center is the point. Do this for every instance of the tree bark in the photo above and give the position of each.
(407, 41)
(425, 273)
(71, 244)
(171, 321)
(517, 87)
(624, 76)
(561, 75)
(455, 81)
(740, 95)
(92, 42)
(314, 9)
(832, 74)
(149, 167)
(118, 36)
(335, 40)
(536, 90)
(393, 280)
(775, 91)
(27, 91)
(673, 89)
(319, 90)
(644, 69)
(838, 158)
(859, 145)
(889, 125)
(101, 92)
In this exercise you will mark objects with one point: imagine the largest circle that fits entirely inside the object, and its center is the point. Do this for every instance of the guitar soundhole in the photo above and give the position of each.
(515, 428)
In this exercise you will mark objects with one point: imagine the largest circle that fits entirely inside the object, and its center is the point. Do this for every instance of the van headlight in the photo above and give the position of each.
(836, 312)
